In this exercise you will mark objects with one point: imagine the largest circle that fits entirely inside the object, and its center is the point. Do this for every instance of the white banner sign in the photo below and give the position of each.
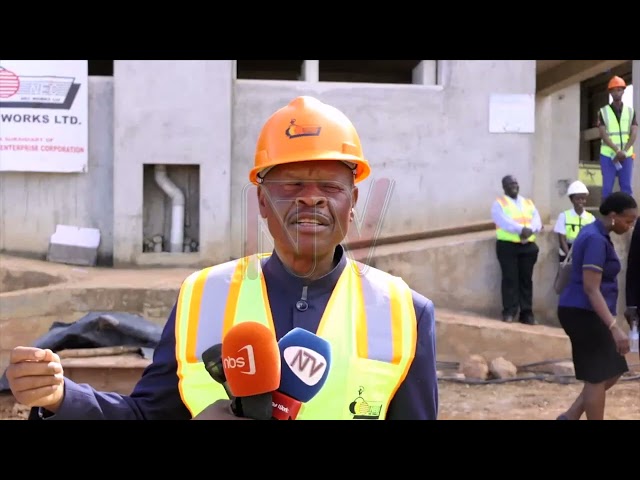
(512, 113)
(44, 109)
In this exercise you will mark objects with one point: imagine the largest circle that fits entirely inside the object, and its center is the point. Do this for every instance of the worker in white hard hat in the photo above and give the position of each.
(571, 221)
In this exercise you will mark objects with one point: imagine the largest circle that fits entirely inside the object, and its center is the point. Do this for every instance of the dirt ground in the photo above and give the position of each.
(526, 400)
(530, 400)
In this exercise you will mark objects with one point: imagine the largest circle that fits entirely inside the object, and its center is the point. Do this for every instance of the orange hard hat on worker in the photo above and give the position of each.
(305, 130)
(616, 82)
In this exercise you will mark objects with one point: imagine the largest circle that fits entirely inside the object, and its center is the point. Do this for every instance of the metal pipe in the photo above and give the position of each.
(177, 208)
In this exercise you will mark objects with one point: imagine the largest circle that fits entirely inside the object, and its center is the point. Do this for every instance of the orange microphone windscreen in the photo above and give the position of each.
(251, 359)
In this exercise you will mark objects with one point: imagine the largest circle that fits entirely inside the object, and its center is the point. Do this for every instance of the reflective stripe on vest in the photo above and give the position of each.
(369, 321)
(522, 217)
(574, 223)
(618, 131)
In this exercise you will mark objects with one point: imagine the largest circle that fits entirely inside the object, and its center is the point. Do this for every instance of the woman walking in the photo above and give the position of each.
(587, 307)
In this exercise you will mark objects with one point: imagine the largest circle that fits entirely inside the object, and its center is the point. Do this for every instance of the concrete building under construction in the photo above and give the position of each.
(440, 134)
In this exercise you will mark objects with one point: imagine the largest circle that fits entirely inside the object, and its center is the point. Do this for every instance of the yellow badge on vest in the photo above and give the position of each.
(363, 409)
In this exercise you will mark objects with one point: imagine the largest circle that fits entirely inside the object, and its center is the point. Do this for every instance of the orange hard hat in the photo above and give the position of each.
(304, 130)
(617, 82)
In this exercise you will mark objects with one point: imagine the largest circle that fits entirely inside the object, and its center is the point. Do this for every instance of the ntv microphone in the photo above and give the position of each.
(251, 366)
(305, 359)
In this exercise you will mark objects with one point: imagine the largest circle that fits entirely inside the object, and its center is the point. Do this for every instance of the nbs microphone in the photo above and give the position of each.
(251, 365)
(306, 359)
(212, 358)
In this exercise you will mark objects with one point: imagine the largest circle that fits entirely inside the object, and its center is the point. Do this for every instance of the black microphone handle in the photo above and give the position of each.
(213, 365)
(228, 390)
(257, 407)
(213, 373)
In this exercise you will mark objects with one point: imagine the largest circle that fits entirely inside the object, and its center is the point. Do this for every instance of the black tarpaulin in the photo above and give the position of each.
(100, 329)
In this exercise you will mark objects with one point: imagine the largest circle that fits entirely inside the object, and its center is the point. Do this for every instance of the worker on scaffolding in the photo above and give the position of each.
(308, 161)
(571, 221)
(618, 127)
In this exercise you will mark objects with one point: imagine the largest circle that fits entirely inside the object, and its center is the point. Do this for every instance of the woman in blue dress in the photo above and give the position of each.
(587, 307)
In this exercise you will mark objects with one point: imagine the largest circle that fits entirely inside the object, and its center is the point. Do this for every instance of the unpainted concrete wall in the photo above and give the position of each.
(433, 142)
(172, 113)
(463, 273)
(419, 155)
(31, 204)
(556, 150)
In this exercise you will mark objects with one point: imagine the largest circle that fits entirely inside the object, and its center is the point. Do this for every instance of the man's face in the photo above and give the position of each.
(510, 187)
(616, 93)
(308, 206)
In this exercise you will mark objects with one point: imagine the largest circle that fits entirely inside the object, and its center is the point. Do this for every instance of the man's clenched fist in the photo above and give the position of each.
(36, 377)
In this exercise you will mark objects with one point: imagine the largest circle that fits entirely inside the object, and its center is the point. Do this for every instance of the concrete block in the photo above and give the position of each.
(74, 245)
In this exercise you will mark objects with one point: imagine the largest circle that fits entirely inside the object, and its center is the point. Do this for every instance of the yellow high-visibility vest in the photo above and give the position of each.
(369, 321)
(523, 217)
(618, 131)
(574, 223)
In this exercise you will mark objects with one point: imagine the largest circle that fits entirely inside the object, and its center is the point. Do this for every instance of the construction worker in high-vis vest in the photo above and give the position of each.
(308, 162)
(571, 221)
(618, 128)
(516, 221)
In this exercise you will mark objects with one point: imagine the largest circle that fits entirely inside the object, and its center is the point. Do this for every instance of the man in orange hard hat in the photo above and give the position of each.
(308, 161)
(618, 131)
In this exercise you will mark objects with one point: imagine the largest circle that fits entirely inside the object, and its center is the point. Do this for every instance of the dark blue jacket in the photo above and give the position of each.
(156, 395)
(633, 270)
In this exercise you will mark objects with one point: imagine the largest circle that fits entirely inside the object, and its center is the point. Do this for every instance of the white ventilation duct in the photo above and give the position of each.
(177, 207)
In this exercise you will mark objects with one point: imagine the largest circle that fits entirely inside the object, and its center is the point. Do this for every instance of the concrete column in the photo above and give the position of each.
(425, 73)
(635, 79)
(234, 70)
(564, 144)
(311, 71)
(443, 68)
(172, 112)
(556, 150)
(542, 158)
